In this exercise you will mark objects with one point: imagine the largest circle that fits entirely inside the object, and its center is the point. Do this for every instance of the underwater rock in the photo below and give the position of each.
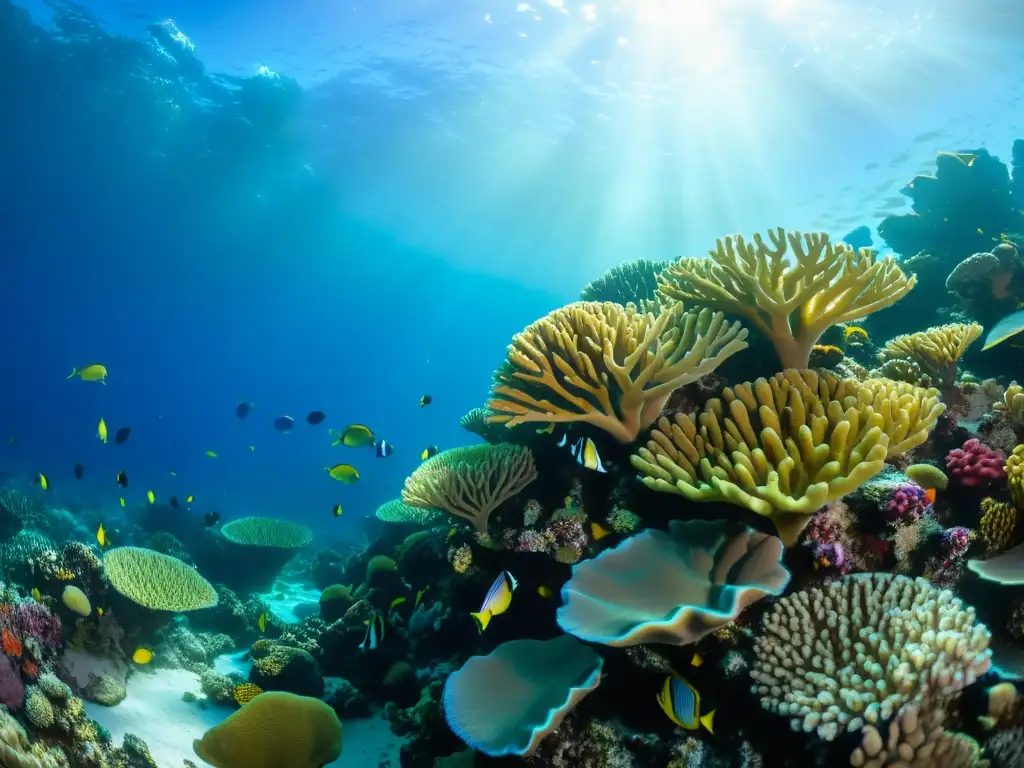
(283, 668)
(344, 698)
(80, 669)
(105, 690)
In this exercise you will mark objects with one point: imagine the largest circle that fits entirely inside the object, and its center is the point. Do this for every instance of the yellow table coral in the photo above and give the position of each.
(607, 365)
(792, 289)
(784, 446)
(937, 350)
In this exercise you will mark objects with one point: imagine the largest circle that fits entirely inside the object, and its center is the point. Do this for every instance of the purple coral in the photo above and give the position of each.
(528, 540)
(831, 556)
(12, 692)
(906, 504)
(36, 621)
(955, 541)
(975, 463)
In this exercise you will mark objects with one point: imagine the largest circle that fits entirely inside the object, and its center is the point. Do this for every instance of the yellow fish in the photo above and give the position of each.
(101, 536)
(43, 481)
(337, 510)
(90, 373)
(99, 611)
(419, 596)
(430, 450)
(345, 473)
(396, 602)
(211, 454)
(261, 622)
(598, 531)
(545, 592)
(142, 656)
(547, 430)
(497, 600)
(121, 499)
(36, 595)
(189, 499)
(697, 659)
(101, 431)
(151, 497)
(681, 702)
(354, 436)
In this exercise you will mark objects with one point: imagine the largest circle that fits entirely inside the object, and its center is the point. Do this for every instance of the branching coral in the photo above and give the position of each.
(936, 350)
(671, 588)
(1012, 404)
(785, 446)
(634, 281)
(471, 482)
(792, 289)
(859, 651)
(608, 366)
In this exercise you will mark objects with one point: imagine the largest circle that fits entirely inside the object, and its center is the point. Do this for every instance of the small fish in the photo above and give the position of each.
(36, 595)
(697, 660)
(315, 417)
(122, 435)
(212, 454)
(243, 408)
(396, 602)
(568, 502)
(151, 497)
(598, 531)
(929, 496)
(426, 400)
(261, 622)
(173, 501)
(585, 452)
(122, 479)
(211, 519)
(346, 473)
(354, 436)
(384, 449)
(681, 702)
(189, 499)
(549, 429)
(284, 423)
(93, 372)
(173, 472)
(42, 481)
(121, 499)
(252, 447)
(101, 537)
(79, 471)
(497, 600)
(419, 596)
(101, 431)
(99, 612)
(1009, 326)
(374, 633)
(337, 510)
(546, 592)
(981, 231)
(430, 450)
(451, 532)
(142, 656)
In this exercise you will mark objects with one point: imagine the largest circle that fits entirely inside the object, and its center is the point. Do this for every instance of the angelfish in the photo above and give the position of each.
(497, 601)
(374, 633)
(585, 452)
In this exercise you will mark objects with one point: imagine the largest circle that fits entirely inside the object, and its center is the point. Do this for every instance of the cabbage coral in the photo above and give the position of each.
(609, 366)
(936, 350)
(792, 289)
(785, 446)
(471, 482)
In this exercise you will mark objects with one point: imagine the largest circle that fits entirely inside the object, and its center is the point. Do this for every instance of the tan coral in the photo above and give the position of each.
(1012, 404)
(937, 350)
(792, 289)
(785, 446)
(609, 366)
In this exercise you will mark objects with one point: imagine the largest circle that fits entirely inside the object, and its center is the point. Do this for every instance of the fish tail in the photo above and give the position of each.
(708, 721)
(482, 619)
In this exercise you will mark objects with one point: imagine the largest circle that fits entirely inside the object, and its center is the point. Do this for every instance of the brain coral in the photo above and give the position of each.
(76, 600)
(157, 581)
(267, 532)
(274, 730)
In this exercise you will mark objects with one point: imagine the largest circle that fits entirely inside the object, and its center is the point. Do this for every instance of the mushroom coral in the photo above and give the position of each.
(792, 289)
(471, 482)
(671, 588)
(937, 350)
(785, 446)
(610, 366)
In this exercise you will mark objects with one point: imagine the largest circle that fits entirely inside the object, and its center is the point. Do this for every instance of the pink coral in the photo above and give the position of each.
(907, 503)
(975, 463)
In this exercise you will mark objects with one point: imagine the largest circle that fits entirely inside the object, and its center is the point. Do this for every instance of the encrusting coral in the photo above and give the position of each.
(785, 446)
(792, 289)
(671, 588)
(471, 482)
(609, 366)
(857, 652)
(936, 350)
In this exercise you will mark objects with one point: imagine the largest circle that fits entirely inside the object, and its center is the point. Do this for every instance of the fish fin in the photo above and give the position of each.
(73, 372)
(708, 721)
(482, 619)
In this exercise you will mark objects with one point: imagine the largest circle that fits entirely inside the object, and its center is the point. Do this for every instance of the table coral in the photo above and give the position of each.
(936, 350)
(609, 366)
(792, 289)
(975, 464)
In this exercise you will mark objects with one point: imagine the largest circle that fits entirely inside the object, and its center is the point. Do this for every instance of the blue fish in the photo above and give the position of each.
(384, 449)
(681, 702)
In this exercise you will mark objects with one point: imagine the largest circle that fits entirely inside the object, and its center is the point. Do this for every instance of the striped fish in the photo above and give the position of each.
(681, 702)
(498, 599)
(374, 633)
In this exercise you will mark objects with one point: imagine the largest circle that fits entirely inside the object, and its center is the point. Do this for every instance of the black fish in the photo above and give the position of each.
(425, 401)
(122, 435)
(211, 519)
(122, 479)
(384, 449)
(316, 417)
(242, 409)
(79, 470)
(173, 501)
(284, 423)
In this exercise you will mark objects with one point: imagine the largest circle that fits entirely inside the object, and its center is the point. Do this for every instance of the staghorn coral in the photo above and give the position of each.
(157, 581)
(471, 482)
(791, 289)
(397, 511)
(634, 281)
(671, 588)
(857, 652)
(267, 532)
(975, 464)
(608, 366)
(998, 524)
(936, 350)
(785, 446)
